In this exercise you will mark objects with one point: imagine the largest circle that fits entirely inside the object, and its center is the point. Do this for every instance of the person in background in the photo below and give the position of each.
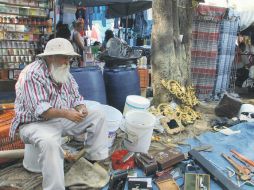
(108, 35)
(62, 31)
(77, 39)
(48, 105)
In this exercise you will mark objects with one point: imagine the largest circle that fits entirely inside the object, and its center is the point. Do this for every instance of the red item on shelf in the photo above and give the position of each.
(117, 162)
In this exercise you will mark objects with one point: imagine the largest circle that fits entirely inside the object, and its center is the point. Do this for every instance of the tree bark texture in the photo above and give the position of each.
(171, 58)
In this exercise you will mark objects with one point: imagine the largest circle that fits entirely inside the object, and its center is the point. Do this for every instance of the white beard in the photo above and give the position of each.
(60, 74)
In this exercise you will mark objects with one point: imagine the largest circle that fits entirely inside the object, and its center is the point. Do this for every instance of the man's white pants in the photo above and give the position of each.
(47, 135)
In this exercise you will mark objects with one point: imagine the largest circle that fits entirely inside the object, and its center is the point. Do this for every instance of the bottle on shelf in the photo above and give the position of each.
(21, 24)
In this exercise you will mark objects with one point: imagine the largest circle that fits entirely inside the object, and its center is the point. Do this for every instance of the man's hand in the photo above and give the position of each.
(82, 109)
(74, 116)
(70, 114)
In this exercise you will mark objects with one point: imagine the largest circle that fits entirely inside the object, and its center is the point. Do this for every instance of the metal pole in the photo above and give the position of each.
(54, 7)
(126, 28)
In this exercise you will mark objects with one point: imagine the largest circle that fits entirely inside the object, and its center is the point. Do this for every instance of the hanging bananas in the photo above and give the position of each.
(185, 95)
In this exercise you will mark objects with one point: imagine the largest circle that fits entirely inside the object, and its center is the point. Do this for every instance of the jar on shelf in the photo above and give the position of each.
(20, 20)
(4, 51)
(15, 51)
(38, 22)
(9, 58)
(5, 19)
(18, 59)
(29, 21)
(4, 45)
(12, 59)
(8, 19)
(9, 44)
(27, 45)
(25, 21)
(16, 21)
(34, 21)
(12, 20)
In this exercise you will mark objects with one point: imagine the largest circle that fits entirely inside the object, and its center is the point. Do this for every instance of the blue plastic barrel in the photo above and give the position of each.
(91, 83)
(120, 83)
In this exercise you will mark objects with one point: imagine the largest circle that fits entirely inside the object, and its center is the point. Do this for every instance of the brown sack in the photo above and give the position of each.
(229, 106)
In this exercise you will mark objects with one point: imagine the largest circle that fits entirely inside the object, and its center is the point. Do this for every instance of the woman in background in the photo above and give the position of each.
(78, 40)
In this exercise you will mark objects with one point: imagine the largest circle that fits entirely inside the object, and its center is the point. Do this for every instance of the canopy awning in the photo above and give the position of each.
(116, 8)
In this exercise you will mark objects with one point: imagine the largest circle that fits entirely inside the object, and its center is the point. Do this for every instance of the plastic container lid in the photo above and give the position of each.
(137, 102)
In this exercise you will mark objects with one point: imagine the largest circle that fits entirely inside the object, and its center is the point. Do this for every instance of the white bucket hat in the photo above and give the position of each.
(58, 46)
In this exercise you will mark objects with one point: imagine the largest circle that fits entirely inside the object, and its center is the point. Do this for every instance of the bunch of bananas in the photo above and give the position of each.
(184, 113)
(162, 109)
(187, 115)
(185, 95)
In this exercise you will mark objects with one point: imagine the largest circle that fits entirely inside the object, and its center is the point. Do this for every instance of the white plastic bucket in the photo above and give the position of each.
(31, 158)
(92, 104)
(114, 119)
(246, 112)
(139, 130)
(134, 102)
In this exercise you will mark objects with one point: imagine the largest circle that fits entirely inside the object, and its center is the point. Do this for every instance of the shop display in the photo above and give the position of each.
(22, 23)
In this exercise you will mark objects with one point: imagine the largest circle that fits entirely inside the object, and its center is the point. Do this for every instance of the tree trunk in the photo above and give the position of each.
(171, 58)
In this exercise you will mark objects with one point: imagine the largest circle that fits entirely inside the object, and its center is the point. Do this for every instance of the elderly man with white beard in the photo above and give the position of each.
(48, 106)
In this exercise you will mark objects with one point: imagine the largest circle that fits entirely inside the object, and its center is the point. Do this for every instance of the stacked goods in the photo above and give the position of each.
(6, 143)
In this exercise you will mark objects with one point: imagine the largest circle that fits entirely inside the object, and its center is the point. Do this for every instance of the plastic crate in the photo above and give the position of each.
(144, 77)
(5, 141)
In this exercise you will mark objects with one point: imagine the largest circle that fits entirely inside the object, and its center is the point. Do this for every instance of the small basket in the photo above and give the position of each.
(5, 141)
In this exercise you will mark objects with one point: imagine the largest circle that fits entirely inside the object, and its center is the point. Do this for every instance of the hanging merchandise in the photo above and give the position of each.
(116, 23)
(127, 22)
(89, 18)
(80, 13)
(140, 24)
(204, 53)
(226, 52)
(103, 14)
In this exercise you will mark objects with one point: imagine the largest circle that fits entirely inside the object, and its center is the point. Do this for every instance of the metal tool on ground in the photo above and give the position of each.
(251, 168)
(228, 170)
(242, 171)
(243, 158)
(221, 179)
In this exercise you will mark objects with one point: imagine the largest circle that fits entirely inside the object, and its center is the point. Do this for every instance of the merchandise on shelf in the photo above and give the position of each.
(22, 23)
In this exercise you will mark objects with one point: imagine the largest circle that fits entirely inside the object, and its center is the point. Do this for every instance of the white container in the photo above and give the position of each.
(246, 112)
(31, 158)
(134, 102)
(92, 104)
(139, 130)
(114, 119)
